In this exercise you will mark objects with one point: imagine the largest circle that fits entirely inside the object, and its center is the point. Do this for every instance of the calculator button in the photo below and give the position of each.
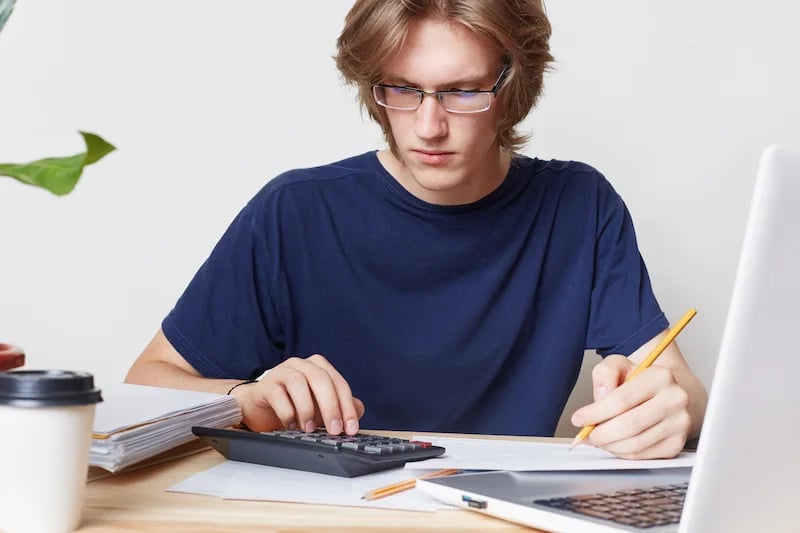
(378, 450)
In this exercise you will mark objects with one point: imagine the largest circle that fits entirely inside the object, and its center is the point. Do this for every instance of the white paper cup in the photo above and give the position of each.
(46, 419)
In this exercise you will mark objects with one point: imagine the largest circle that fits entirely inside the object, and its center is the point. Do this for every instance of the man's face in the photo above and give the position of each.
(446, 158)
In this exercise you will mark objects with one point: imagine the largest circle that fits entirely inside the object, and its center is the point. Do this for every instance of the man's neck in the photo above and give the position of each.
(476, 185)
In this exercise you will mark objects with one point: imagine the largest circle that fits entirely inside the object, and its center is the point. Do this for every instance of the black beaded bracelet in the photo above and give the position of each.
(242, 383)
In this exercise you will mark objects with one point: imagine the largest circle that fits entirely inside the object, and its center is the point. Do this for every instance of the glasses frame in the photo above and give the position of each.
(440, 94)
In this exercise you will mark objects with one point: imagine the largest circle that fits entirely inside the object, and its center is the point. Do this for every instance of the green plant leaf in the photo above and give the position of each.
(59, 174)
(6, 7)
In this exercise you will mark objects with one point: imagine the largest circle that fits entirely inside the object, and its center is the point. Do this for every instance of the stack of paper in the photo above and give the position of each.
(136, 422)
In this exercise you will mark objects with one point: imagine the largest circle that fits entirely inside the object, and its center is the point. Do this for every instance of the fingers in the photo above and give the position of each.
(360, 409)
(646, 417)
(606, 377)
(273, 409)
(609, 374)
(655, 429)
(338, 409)
(303, 394)
(295, 406)
(359, 405)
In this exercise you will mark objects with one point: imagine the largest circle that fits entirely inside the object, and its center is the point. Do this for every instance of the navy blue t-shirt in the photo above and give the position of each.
(469, 318)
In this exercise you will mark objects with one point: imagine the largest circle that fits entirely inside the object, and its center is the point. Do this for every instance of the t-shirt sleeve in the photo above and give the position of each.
(226, 324)
(624, 312)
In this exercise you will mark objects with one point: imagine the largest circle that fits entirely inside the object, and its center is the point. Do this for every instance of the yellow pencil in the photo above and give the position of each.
(400, 486)
(584, 432)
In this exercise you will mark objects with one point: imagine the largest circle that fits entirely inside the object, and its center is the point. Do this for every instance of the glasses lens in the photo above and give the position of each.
(466, 102)
(396, 97)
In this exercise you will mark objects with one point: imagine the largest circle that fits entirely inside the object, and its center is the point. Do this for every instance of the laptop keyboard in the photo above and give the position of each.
(641, 508)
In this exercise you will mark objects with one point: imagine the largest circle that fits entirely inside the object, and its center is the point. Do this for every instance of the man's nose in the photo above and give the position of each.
(431, 119)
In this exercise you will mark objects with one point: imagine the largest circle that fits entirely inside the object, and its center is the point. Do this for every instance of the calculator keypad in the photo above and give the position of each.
(360, 442)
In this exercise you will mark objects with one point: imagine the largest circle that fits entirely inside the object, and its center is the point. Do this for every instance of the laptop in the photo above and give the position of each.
(746, 472)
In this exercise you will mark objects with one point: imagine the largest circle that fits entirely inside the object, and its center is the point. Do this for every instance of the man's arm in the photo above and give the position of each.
(652, 415)
(298, 393)
(161, 365)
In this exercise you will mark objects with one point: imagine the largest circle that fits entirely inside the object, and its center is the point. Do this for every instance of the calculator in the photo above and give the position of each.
(318, 451)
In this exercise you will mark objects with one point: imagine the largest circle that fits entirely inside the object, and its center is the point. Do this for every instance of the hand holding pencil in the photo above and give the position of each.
(645, 364)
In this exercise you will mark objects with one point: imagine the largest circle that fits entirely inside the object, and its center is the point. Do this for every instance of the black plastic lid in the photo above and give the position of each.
(46, 388)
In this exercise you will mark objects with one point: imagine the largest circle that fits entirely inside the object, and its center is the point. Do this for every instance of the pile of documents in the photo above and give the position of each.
(136, 422)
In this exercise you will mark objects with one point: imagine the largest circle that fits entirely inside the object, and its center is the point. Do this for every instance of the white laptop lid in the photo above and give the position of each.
(748, 462)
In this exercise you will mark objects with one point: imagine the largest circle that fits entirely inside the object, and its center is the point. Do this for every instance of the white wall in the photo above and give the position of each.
(673, 101)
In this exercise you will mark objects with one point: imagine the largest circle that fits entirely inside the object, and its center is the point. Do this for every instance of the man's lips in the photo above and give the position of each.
(432, 152)
(432, 157)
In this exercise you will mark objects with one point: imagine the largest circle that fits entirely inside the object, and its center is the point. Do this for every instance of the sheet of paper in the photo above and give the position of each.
(126, 405)
(244, 481)
(486, 454)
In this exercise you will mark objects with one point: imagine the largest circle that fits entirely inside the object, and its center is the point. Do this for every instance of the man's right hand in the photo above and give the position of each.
(300, 394)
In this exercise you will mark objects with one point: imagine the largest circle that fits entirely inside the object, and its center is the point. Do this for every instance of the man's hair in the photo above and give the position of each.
(375, 30)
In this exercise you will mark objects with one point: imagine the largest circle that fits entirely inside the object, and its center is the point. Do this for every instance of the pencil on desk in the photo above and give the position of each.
(407, 484)
(584, 432)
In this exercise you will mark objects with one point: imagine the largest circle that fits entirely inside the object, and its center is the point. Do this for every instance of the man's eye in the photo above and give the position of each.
(400, 90)
(466, 95)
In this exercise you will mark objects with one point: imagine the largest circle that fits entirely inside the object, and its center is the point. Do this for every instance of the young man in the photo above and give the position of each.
(444, 284)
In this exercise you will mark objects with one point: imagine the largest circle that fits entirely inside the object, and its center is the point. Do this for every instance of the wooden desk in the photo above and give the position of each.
(138, 501)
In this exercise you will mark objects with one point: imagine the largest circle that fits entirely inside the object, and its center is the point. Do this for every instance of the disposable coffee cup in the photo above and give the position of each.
(46, 419)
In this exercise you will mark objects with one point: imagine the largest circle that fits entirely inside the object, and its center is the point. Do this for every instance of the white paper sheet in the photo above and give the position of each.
(245, 481)
(485, 454)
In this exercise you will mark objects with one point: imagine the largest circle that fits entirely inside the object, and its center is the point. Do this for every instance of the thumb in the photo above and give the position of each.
(609, 374)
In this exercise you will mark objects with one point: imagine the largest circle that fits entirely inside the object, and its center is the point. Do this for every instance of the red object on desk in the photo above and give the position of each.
(10, 357)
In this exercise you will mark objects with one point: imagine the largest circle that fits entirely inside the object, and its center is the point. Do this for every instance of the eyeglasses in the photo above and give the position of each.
(409, 99)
